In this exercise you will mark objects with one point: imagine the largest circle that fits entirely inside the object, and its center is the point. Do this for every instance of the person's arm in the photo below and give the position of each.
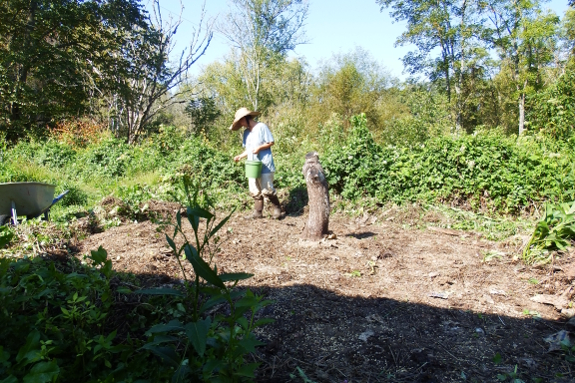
(241, 156)
(267, 145)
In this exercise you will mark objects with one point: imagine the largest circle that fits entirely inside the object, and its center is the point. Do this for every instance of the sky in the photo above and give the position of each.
(332, 27)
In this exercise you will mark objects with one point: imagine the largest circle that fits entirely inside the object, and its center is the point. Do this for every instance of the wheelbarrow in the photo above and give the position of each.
(31, 199)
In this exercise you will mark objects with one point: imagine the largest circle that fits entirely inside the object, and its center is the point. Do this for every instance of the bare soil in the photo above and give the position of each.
(382, 300)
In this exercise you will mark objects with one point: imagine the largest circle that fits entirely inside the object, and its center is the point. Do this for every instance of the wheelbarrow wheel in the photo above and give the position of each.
(4, 219)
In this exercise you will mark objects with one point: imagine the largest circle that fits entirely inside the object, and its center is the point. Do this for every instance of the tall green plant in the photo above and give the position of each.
(210, 346)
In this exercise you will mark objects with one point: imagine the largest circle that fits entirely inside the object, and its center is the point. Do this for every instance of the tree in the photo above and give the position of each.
(51, 52)
(283, 95)
(553, 110)
(525, 40)
(203, 112)
(349, 84)
(568, 34)
(449, 27)
(263, 32)
(146, 82)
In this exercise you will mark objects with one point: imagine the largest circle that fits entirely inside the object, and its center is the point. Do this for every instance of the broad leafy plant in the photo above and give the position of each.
(212, 344)
(55, 324)
(555, 231)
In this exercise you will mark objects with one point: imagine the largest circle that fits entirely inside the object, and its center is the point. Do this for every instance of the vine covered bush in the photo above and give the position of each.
(486, 170)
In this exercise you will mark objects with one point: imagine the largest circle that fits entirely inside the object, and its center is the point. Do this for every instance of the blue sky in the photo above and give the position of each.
(333, 26)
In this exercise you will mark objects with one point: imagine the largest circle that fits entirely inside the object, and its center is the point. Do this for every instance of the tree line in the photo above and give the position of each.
(475, 65)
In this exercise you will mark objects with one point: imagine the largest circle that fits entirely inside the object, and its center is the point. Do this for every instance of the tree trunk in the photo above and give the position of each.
(318, 221)
(521, 114)
(522, 109)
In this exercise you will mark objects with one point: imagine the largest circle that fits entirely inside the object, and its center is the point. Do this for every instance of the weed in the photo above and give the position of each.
(302, 375)
(206, 347)
(58, 316)
(554, 231)
(497, 359)
(512, 376)
(6, 236)
(491, 255)
(531, 313)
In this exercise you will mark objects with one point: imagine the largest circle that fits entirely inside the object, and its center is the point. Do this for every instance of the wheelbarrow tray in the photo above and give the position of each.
(30, 198)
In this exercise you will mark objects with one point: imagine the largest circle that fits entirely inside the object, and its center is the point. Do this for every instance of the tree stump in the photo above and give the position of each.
(318, 220)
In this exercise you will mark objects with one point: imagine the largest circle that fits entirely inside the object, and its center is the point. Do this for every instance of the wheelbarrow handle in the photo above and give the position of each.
(58, 198)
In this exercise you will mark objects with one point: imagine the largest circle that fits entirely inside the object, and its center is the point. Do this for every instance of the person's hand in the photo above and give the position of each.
(237, 158)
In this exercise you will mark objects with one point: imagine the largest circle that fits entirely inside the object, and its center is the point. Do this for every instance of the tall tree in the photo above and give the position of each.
(263, 31)
(146, 81)
(524, 37)
(51, 52)
(283, 94)
(568, 34)
(448, 27)
(349, 84)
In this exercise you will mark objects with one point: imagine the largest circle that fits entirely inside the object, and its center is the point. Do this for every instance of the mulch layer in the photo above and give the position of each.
(380, 301)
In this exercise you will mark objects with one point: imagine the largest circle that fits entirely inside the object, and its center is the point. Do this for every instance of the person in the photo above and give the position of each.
(257, 141)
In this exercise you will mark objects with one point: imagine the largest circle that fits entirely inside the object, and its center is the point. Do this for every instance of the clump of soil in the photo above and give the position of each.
(378, 301)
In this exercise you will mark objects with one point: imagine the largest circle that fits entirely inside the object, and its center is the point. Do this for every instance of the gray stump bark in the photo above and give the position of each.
(318, 221)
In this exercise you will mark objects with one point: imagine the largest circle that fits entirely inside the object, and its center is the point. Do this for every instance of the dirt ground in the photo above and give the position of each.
(381, 300)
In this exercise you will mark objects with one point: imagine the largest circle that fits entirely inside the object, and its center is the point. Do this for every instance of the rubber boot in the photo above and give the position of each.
(258, 208)
(276, 210)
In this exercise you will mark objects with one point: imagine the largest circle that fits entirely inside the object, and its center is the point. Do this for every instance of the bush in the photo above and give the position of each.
(55, 325)
(486, 171)
(483, 171)
(108, 158)
(75, 197)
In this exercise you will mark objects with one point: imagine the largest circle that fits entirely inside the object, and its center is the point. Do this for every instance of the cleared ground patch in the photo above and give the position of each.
(380, 301)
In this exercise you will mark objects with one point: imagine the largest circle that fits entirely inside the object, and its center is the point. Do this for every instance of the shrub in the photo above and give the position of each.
(484, 171)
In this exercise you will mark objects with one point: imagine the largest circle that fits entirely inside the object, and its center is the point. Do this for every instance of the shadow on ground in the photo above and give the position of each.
(333, 338)
(296, 201)
(320, 336)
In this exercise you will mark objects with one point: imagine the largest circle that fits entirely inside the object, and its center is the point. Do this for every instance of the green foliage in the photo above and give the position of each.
(108, 158)
(302, 375)
(60, 318)
(55, 324)
(555, 231)
(483, 172)
(552, 111)
(350, 84)
(203, 112)
(6, 236)
(208, 348)
(428, 117)
(52, 57)
(569, 350)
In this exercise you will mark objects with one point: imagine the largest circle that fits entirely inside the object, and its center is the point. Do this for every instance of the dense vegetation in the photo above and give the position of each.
(485, 172)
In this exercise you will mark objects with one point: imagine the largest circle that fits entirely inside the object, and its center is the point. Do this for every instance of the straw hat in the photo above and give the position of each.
(241, 113)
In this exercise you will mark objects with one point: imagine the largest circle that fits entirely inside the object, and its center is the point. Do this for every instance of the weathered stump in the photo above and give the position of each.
(318, 220)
